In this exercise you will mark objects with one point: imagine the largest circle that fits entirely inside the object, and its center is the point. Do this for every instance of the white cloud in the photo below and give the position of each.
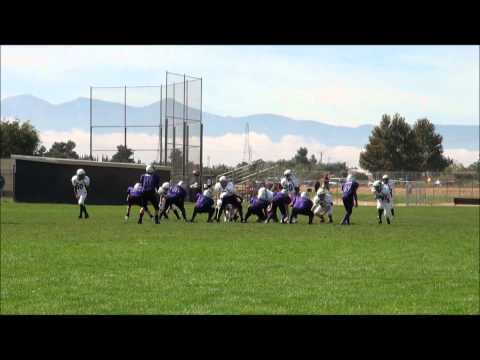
(228, 149)
(466, 157)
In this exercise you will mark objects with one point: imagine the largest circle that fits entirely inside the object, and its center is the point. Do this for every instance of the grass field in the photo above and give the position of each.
(427, 262)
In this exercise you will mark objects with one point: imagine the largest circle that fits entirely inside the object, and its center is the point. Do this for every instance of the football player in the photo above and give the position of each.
(176, 196)
(381, 191)
(290, 182)
(80, 182)
(227, 197)
(150, 183)
(258, 204)
(280, 201)
(204, 204)
(323, 204)
(134, 197)
(349, 197)
(390, 185)
(162, 192)
(302, 205)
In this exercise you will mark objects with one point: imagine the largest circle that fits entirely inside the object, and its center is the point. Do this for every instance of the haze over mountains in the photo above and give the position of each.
(76, 114)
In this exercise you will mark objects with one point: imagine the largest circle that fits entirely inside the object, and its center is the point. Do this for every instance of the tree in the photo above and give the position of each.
(313, 160)
(123, 154)
(335, 168)
(176, 157)
(41, 151)
(16, 138)
(373, 158)
(430, 146)
(475, 166)
(63, 150)
(301, 156)
(392, 146)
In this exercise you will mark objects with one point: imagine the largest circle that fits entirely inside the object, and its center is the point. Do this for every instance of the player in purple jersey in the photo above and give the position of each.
(204, 204)
(150, 183)
(280, 201)
(257, 207)
(176, 196)
(162, 192)
(349, 196)
(302, 205)
(134, 197)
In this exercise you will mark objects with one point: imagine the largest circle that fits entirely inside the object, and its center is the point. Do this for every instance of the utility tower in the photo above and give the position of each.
(247, 149)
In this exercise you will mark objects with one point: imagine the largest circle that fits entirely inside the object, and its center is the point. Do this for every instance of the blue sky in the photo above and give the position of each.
(352, 85)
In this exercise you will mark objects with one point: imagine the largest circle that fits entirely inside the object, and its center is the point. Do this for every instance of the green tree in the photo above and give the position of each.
(176, 157)
(301, 156)
(123, 154)
(475, 166)
(63, 150)
(392, 146)
(373, 158)
(430, 146)
(42, 150)
(18, 138)
(313, 160)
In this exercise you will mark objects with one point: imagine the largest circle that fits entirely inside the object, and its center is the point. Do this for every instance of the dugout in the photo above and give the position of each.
(48, 180)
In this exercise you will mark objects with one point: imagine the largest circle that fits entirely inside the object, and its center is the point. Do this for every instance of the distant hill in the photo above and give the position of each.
(76, 114)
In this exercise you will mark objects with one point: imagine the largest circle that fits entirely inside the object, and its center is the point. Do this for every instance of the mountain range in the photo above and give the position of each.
(76, 114)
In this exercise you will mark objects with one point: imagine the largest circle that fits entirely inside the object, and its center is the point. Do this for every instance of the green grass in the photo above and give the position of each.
(427, 262)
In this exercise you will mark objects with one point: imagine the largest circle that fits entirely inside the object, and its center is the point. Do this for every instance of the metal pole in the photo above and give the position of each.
(184, 126)
(201, 130)
(160, 128)
(91, 158)
(173, 130)
(201, 153)
(166, 118)
(125, 117)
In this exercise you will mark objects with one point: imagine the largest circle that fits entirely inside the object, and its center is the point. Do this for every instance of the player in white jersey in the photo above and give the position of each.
(382, 195)
(391, 186)
(323, 204)
(80, 182)
(227, 196)
(290, 182)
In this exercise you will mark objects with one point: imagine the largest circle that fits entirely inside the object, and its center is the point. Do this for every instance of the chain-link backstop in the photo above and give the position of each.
(161, 124)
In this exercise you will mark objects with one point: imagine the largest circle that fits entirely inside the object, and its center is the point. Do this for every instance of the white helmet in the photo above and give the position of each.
(377, 184)
(304, 195)
(166, 185)
(207, 193)
(80, 172)
(150, 169)
(217, 187)
(269, 195)
(222, 179)
(287, 172)
(321, 191)
(137, 186)
(262, 193)
(350, 177)
(284, 183)
(385, 177)
(181, 184)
